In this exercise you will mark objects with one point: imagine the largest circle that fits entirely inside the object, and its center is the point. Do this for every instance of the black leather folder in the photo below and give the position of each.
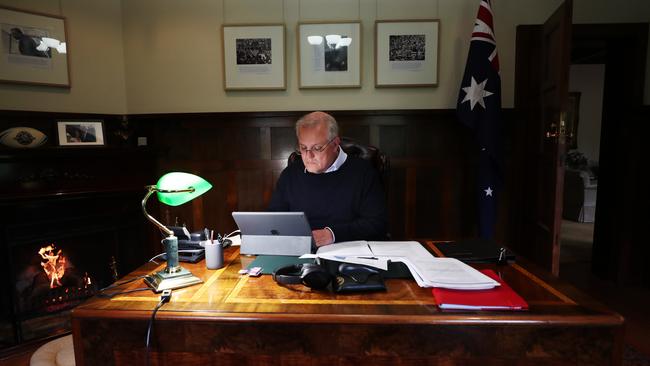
(476, 250)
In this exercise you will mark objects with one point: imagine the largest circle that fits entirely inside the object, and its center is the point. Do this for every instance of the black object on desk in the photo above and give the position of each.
(476, 250)
(395, 269)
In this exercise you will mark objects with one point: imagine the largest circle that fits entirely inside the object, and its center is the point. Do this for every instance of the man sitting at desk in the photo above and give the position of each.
(341, 195)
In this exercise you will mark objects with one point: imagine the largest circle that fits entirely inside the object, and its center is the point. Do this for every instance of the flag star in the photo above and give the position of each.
(488, 192)
(475, 93)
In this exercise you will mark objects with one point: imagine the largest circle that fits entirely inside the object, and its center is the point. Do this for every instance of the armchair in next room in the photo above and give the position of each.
(580, 192)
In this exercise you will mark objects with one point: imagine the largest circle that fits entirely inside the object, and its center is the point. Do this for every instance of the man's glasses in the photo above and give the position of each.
(316, 149)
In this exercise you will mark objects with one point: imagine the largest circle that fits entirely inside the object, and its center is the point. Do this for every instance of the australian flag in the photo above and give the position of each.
(479, 107)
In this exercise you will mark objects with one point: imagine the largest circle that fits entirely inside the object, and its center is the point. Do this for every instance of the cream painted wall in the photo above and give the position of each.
(589, 81)
(625, 11)
(159, 56)
(96, 58)
(173, 49)
(173, 54)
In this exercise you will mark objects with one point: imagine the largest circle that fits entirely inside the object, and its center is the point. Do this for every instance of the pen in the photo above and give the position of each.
(211, 236)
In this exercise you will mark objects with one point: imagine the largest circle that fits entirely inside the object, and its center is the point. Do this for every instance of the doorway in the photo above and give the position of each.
(618, 252)
(617, 52)
(614, 268)
(583, 129)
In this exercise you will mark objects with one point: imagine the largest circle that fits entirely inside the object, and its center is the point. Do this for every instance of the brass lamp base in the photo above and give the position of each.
(163, 280)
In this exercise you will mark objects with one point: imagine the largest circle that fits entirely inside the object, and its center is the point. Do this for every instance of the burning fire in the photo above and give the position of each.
(53, 264)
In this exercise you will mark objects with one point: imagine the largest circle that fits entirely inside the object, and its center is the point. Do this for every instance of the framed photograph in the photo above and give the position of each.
(254, 57)
(572, 119)
(34, 48)
(406, 53)
(81, 133)
(329, 55)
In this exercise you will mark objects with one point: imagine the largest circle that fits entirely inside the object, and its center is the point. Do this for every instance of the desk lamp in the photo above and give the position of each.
(173, 189)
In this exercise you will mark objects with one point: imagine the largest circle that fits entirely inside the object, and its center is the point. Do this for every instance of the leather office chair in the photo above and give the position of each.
(378, 159)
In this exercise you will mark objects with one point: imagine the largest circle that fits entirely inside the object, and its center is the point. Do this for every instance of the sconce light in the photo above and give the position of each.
(315, 40)
(332, 39)
(344, 42)
(173, 189)
(47, 43)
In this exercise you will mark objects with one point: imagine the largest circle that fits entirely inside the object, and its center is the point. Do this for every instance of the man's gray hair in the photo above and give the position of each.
(314, 118)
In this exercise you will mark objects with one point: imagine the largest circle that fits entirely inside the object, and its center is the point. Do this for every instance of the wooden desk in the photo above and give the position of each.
(237, 320)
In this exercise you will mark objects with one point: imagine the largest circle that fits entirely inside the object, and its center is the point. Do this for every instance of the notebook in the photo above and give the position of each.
(499, 298)
(274, 233)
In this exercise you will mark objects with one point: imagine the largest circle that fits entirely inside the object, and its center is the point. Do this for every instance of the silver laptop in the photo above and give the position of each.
(274, 233)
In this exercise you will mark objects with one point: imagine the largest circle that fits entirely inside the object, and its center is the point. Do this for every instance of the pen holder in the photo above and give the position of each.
(213, 255)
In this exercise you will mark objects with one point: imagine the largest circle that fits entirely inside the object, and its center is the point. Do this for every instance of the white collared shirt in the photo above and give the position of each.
(340, 159)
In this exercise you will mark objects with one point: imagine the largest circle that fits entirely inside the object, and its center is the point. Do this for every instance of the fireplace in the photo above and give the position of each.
(54, 283)
(56, 261)
(75, 213)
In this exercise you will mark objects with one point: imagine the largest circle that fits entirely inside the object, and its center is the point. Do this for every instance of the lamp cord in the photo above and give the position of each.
(109, 295)
(164, 298)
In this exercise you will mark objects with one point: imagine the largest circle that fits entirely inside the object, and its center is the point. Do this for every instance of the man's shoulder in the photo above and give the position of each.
(358, 164)
(295, 166)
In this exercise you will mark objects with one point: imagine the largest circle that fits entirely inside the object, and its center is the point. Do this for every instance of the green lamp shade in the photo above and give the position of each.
(178, 181)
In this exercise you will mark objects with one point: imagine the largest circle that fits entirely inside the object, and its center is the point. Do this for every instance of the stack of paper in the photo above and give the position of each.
(427, 270)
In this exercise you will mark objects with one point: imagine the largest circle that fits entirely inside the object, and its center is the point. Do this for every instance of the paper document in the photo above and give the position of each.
(427, 270)
(357, 252)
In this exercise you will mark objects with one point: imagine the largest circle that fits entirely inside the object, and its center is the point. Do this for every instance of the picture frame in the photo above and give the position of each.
(80, 132)
(33, 48)
(254, 57)
(407, 53)
(329, 55)
(572, 120)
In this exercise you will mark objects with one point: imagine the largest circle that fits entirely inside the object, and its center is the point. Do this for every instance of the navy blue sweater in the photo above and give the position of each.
(350, 201)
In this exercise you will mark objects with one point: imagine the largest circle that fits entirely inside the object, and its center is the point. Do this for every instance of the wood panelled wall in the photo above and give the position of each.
(429, 188)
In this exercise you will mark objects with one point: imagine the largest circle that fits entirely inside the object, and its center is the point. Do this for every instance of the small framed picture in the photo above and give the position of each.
(572, 119)
(254, 57)
(81, 133)
(329, 55)
(406, 53)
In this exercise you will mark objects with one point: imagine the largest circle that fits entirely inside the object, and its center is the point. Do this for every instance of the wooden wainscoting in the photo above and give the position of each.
(430, 184)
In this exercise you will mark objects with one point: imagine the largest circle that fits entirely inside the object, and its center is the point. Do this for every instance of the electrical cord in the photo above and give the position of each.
(234, 232)
(116, 284)
(108, 295)
(164, 298)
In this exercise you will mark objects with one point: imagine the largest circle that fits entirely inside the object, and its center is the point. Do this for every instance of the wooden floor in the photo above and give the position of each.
(21, 357)
(632, 302)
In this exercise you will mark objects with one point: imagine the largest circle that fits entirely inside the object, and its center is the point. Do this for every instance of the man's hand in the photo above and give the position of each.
(322, 237)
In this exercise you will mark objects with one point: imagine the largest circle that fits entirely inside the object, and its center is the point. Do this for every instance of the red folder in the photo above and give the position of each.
(499, 298)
